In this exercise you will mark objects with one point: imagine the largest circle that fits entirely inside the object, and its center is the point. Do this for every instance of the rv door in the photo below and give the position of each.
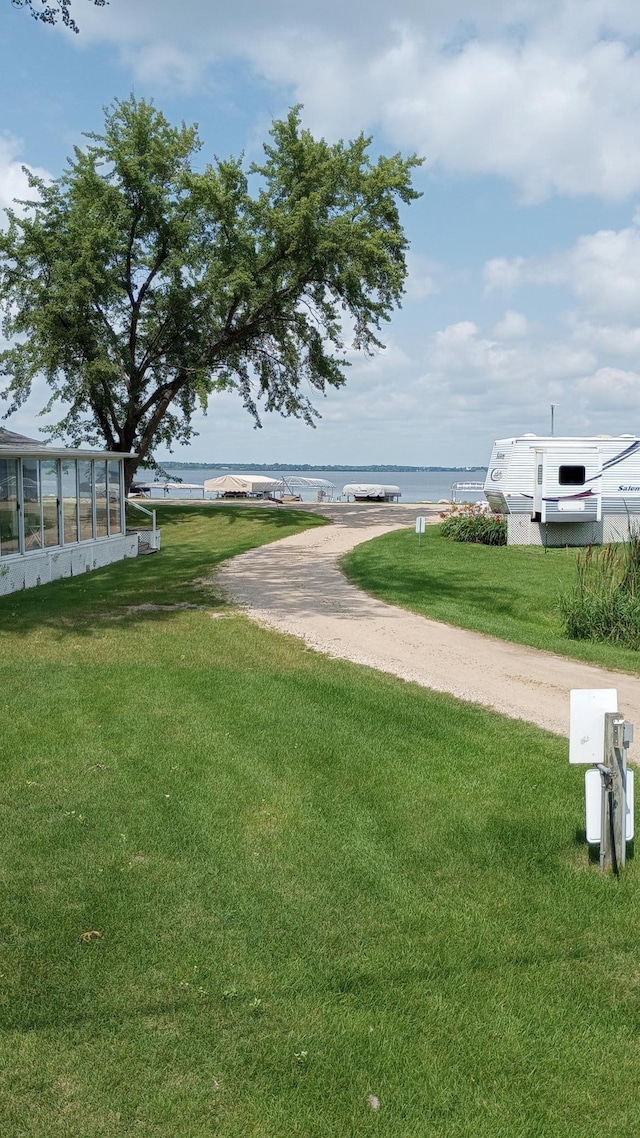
(571, 484)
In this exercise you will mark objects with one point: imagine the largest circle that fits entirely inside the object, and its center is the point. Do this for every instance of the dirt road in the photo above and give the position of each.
(295, 586)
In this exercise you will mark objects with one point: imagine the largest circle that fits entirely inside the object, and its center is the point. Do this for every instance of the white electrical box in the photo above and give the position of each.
(593, 795)
(588, 707)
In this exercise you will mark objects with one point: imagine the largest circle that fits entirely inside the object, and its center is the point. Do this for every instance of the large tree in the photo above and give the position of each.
(50, 11)
(138, 285)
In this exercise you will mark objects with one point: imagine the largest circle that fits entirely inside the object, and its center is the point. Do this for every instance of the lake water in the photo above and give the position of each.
(415, 486)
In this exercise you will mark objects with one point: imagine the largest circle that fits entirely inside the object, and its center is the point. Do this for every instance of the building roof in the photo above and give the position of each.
(11, 439)
(13, 445)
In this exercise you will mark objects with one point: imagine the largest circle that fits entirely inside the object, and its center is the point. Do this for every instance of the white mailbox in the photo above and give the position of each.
(588, 707)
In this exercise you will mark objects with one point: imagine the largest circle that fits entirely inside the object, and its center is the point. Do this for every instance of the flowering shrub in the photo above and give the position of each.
(474, 522)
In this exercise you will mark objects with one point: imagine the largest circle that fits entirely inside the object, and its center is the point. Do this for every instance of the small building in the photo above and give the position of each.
(566, 491)
(62, 512)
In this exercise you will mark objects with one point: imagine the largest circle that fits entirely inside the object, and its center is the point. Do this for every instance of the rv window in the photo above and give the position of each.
(571, 475)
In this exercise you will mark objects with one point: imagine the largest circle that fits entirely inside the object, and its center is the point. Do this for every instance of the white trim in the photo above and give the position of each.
(45, 451)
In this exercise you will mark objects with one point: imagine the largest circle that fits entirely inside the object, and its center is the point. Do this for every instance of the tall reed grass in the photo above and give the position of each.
(604, 604)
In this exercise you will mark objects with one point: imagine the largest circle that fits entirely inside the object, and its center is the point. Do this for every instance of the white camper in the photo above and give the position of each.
(566, 491)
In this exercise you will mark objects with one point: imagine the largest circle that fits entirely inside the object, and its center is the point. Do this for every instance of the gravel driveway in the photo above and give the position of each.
(295, 586)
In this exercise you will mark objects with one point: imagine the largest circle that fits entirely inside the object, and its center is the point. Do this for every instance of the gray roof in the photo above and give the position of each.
(11, 439)
(13, 445)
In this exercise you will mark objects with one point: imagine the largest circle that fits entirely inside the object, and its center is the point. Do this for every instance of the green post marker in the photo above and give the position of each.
(420, 528)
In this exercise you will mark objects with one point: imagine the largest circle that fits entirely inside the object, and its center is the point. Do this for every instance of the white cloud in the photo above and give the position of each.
(461, 355)
(485, 386)
(614, 340)
(423, 277)
(174, 67)
(504, 275)
(460, 391)
(13, 180)
(389, 360)
(467, 388)
(546, 94)
(610, 389)
(513, 326)
(602, 270)
(546, 118)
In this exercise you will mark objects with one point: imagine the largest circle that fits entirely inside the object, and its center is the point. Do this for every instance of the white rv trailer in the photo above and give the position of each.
(566, 491)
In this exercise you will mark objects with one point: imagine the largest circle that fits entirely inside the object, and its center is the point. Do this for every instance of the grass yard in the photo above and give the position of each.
(317, 890)
(506, 591)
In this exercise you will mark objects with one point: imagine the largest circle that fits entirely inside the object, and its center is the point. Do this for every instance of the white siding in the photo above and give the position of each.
(26, 571)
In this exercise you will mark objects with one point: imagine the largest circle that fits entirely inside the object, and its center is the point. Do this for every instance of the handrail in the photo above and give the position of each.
(143, 509)
(470, 487)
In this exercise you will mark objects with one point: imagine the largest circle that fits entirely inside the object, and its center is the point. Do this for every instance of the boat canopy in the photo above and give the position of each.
(243, 484)
(371, 490)
(297, 482)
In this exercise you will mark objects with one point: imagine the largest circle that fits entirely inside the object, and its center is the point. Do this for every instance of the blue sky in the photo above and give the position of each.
(524, 284)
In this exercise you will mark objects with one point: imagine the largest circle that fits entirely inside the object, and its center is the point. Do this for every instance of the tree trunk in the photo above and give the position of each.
(130, 467)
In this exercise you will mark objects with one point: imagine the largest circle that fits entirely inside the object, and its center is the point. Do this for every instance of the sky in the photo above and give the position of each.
(524, 266)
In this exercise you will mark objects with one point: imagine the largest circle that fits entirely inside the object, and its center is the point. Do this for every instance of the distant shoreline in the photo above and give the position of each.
(319, 466)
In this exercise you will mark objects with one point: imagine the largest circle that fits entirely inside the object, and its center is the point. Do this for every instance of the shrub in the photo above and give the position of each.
(605, 602)
(473, 522)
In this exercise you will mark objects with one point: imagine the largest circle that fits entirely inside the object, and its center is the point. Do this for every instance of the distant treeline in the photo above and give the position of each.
(317, 466)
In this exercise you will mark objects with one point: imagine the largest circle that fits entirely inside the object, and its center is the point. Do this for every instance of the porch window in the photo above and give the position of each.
(85, 480)
(115, 500)
(9, 530)
(70, 500)
(32, 497)
(49, 481)
(102, 523)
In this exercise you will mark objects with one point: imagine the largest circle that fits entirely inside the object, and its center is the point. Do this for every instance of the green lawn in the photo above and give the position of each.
(506, 591)
(312, 883)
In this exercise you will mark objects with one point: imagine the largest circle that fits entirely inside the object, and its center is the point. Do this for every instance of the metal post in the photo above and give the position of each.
(553, 408)
(614, 800)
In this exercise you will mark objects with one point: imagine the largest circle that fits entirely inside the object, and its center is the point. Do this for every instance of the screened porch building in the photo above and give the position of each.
(62, 512)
